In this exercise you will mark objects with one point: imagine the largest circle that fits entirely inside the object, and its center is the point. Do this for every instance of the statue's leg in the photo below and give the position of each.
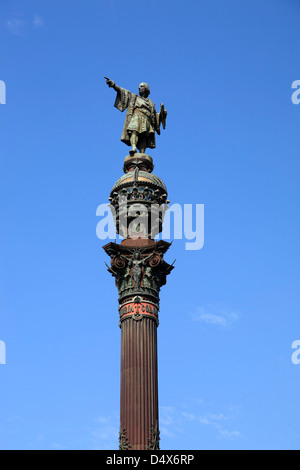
(142, 143)
(133, 141)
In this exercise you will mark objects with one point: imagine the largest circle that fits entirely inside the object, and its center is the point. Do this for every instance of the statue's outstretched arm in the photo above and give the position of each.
(112, 84)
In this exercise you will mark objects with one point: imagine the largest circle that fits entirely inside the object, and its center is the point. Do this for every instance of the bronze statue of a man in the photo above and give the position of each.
(142, 120)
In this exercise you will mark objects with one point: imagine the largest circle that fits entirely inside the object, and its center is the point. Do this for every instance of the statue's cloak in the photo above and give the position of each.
(127, 100)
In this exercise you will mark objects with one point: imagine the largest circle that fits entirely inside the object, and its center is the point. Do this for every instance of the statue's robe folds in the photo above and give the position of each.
(141, 116)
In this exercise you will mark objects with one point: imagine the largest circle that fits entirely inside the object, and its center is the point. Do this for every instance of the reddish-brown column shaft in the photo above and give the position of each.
(139, 380)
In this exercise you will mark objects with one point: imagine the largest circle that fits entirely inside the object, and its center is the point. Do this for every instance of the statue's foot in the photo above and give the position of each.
(132, 151)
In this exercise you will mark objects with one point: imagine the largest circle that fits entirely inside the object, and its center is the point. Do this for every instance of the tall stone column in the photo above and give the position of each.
(138, 201)
(139, 388)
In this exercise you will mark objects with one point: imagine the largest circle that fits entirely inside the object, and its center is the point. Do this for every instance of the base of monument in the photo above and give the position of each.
(142, 161)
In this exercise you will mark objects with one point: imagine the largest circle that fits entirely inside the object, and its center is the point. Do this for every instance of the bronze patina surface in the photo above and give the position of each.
(142, 119)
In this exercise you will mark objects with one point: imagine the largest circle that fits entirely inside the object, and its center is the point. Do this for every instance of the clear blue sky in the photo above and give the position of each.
(230, 312)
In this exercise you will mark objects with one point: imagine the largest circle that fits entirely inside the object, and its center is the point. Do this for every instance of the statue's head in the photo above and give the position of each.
(137, 255)
(144, 89)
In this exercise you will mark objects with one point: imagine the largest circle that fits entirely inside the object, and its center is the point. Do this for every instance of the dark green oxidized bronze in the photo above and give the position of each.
(142, 120)
(139, 271)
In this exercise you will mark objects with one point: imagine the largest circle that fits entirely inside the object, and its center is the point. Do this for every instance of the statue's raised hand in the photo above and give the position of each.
(109, 82)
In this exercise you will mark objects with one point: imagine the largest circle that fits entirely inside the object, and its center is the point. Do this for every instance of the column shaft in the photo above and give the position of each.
(139, 377)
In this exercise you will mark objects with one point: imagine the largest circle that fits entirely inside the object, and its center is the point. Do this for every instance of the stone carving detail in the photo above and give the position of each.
(153, 440)
(137, 308)
(137, 271)
(141, 197)
(138, 193)
(137, 263)
(124, 441)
